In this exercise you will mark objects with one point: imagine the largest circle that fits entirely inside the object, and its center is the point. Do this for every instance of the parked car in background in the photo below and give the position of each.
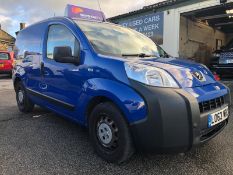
(118, 83)
(6, 62)
(222, 61)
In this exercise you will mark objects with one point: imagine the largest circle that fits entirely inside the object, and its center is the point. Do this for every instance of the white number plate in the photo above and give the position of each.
(218, 117)
(230, 61)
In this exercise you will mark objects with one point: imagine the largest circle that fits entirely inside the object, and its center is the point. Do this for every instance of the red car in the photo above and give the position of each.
(6, 62)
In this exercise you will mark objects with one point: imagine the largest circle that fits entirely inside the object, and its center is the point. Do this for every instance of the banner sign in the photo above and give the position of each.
(150, 25)
(76, 12)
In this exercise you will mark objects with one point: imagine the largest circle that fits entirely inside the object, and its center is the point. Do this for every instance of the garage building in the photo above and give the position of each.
(191, 29)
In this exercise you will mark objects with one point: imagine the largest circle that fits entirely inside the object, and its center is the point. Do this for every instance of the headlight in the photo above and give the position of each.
(150, 75)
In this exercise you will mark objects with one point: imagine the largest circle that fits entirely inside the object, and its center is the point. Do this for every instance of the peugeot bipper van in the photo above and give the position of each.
(120, 85)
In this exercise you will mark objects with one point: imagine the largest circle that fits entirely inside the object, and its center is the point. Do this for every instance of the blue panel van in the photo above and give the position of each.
(118, 83)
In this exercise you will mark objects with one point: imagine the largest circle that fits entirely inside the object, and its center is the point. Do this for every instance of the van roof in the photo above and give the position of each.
(61, 18)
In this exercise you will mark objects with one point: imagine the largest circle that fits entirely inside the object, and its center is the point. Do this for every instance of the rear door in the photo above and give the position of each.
(5, 62)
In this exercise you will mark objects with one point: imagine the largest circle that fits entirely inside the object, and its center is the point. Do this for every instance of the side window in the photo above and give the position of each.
(60, 36)
(29, 42)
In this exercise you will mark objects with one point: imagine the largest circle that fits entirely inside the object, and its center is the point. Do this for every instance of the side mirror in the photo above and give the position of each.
(63, 54)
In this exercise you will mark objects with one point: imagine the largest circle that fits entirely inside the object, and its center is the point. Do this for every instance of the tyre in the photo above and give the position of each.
(24, 103)
(109, 133)
(10, 75)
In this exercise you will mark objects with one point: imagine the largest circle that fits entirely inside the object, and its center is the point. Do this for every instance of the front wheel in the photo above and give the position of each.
(24, 103)
(109, 133)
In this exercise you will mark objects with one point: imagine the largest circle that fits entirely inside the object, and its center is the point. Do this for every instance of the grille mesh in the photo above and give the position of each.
(226, 55)
(211, 104)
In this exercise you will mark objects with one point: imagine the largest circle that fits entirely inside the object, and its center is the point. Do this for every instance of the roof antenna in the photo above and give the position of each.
(99, 5)
(103, 16)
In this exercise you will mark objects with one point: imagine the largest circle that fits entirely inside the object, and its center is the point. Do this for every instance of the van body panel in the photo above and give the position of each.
(160, 118)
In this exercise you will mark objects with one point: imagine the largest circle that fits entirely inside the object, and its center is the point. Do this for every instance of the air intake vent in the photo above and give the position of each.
(211, 104)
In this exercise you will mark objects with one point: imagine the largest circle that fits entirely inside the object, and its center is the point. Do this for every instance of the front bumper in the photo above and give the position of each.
(5, 71)
(174, 122)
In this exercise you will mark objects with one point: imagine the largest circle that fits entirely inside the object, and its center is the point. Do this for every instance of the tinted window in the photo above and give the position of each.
(4, 56)
(229, 45)
(60, 36)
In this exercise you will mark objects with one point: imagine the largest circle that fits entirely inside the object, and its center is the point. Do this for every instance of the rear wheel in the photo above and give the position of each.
(24, 103)
(110, 134)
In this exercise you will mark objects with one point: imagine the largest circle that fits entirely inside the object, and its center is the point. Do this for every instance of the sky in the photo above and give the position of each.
(12, 12)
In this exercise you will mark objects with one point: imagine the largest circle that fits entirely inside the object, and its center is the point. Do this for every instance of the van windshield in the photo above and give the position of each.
(4, 56)
(229, 46)
(110, 39)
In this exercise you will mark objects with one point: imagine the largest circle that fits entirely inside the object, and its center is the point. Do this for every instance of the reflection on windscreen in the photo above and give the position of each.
(4, 56)
(115, 40)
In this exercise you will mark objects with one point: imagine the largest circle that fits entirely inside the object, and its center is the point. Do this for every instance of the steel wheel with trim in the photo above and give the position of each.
(24, 103)
(109, 133)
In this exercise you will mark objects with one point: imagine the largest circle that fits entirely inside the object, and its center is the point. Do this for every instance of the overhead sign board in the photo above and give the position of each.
(76, 12)
(151, 25)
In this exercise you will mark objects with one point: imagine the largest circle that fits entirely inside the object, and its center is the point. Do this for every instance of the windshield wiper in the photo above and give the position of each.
(142, 55)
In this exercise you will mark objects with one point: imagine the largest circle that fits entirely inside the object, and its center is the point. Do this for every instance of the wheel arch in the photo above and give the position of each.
(126, 99)
(97, 100)
(16, 80)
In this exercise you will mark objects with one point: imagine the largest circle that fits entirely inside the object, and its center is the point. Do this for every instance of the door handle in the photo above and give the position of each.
(42, 68)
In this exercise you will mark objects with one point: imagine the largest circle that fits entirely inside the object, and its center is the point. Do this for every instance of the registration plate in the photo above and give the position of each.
(1, 65)
(218, 117)
(230, 61)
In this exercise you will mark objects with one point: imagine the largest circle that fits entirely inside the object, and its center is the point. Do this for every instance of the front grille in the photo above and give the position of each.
(226, 55)
(211, 104)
